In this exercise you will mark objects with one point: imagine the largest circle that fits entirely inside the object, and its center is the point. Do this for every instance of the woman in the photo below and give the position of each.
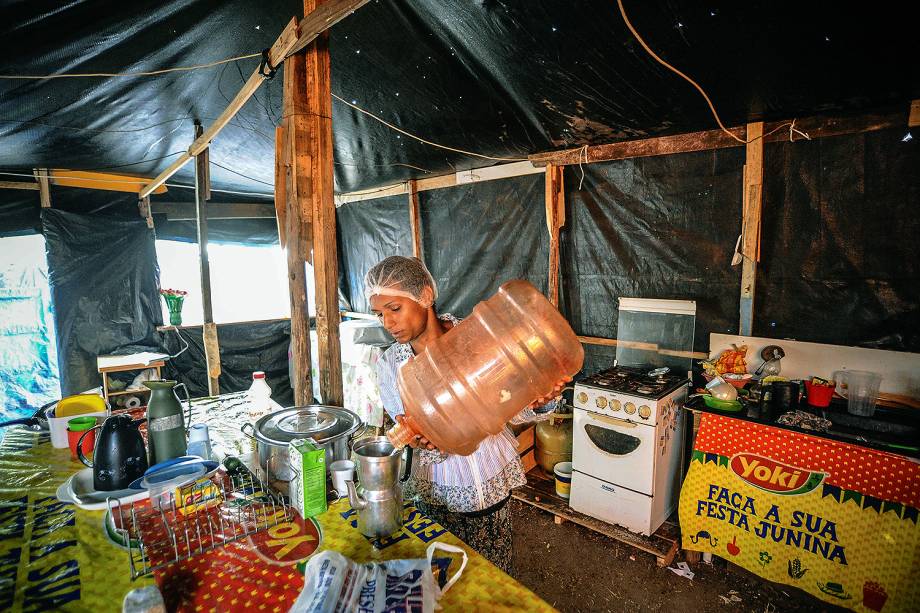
(465, 494)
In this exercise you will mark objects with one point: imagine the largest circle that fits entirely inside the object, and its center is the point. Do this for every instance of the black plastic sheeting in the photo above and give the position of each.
(244, 349)
(499, 77)
(477, 236)
(368, 232)
(656, 227)
(104, 290)
(840, 250)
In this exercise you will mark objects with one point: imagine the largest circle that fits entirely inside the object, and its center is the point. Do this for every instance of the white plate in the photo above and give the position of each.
(79, 490)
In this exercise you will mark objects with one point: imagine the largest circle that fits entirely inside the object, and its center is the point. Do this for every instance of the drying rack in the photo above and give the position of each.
(194, 519)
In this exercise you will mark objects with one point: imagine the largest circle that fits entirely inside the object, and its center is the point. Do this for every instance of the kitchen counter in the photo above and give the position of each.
(894, 430)
(56, 556)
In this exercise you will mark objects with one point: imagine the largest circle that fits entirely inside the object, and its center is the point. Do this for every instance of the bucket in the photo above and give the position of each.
(563, 473)
(819, 395)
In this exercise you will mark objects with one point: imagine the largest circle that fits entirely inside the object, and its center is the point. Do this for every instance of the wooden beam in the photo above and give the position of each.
(325, 256)
(143, 206)
(106, 181)
(913, 119)
(555, 219)
(187, 211)
(44, 189)
(815, 127)
(294, 37)
(415, 219)
(280, 183)
(211, 346)
(612, 342)
(18, 185)
(293, 175)
(752, 196)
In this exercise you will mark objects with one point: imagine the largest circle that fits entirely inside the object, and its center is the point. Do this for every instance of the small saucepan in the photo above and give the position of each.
(38, 421)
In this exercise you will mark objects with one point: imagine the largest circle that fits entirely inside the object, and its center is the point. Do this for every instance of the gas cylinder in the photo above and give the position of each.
(554, 441)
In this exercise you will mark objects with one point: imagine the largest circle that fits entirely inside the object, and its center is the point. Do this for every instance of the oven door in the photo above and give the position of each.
(614, 450)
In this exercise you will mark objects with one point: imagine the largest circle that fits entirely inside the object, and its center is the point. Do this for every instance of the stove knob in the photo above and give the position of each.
(582, 397)
(630, 408)
(615, 405)
(645, 412)
(601, 402)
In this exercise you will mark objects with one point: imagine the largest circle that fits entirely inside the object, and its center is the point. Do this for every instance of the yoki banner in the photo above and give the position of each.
(836, 520)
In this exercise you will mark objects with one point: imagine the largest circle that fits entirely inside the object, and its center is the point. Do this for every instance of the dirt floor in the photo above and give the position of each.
(576, 569)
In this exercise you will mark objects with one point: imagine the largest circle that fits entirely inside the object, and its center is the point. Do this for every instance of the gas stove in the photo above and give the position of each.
(635, 381)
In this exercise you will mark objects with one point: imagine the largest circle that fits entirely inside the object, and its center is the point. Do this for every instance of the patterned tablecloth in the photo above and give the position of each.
(56, 556)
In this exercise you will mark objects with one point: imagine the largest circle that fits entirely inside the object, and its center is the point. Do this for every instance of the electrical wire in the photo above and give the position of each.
(151, 73)
(699, 88)
(422, 140)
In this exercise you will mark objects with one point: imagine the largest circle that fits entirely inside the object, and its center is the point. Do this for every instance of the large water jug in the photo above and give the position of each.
(513, 349)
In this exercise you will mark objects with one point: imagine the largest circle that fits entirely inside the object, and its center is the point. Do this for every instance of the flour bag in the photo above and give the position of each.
(333, 583)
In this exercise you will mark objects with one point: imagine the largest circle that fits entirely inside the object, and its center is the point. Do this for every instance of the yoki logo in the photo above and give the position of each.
(772, 476)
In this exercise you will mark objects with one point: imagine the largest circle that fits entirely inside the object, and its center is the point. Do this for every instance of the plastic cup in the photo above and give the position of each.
(563, 473)
(199, 441)
(342, 471)
(75, 429)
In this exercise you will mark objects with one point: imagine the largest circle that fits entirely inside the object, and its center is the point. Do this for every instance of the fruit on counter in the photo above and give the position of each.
(732, 360)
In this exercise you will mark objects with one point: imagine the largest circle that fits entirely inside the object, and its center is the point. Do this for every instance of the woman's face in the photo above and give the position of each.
(404, 318)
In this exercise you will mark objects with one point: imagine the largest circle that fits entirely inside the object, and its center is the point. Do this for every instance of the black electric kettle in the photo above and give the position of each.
(119, 457)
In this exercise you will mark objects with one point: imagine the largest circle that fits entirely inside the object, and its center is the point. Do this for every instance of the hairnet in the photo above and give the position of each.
(398, 275)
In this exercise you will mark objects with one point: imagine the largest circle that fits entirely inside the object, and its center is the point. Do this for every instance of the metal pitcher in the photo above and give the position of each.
(378, 496)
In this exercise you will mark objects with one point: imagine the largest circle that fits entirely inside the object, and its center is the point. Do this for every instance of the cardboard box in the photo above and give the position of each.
(308, 487)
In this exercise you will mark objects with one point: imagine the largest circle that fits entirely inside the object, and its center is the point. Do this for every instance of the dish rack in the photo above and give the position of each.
(196, 518)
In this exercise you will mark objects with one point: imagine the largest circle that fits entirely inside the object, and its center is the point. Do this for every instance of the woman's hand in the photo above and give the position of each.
(557, 390)
(418, 441)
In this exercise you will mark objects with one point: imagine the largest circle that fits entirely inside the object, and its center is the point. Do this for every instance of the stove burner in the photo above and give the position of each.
(636, 381)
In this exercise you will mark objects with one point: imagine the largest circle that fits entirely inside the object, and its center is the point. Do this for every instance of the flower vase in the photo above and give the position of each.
(174, 304)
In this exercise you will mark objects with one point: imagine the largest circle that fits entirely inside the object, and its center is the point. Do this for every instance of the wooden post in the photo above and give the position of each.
(325, 257)
(555, 219)
(209, 332)
(292, 195)
(415, 219)
(44, 190)
(750, 226)
(143, 206)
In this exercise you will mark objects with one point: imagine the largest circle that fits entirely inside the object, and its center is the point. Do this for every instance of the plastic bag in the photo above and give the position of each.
(332, 582)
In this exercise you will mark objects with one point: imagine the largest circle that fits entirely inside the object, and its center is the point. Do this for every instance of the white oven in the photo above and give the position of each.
(615, 450)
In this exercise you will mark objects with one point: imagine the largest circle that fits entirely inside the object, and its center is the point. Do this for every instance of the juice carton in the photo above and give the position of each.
(308, 486)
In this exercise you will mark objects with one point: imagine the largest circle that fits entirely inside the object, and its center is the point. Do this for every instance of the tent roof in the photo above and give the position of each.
(504, 78)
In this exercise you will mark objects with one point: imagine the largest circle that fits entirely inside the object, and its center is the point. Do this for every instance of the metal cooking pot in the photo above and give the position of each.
(331, 428)
(38, 421)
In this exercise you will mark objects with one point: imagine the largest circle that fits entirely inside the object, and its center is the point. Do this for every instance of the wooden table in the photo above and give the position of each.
(54, 556)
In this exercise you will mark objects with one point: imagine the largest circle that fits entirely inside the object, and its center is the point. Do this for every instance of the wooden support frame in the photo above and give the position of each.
(295, 36)
(555, 219)
(815, 127)
(913, 120)
(752, 196)
(202, 193)
(44, 187)
(415, 221)
(143, 207)
(18, 185)
(295, 218)
(186, 211)
(322, 199)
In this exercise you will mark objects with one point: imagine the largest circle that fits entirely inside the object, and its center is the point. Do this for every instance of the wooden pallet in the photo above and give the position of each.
(541, 493)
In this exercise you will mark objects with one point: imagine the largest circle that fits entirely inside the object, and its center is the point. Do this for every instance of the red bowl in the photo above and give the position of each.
(738, 383)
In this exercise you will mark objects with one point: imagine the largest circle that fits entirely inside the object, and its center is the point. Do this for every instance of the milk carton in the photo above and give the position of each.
(308, 485)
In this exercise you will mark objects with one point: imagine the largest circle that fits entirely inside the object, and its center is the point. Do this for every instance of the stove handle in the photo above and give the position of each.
(614, 421)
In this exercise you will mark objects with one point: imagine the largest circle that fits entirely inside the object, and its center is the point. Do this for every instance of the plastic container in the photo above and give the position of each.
(563, 474)
(260, 397)
(819, 395)
(860, 388)
(513, 349)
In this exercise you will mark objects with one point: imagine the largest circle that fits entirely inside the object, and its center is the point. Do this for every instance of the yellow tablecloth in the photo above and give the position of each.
(56, 556)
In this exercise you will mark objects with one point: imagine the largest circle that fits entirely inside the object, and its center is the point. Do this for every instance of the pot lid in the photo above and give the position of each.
(316, 421)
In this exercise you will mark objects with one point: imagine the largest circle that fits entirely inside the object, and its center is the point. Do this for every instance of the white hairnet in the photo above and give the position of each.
(398, 275)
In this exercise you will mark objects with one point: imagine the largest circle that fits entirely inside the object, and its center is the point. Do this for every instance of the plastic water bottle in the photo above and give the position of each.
(260, 397)
(512, 350)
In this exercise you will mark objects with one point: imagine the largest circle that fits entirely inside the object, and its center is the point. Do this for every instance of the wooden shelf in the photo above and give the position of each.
(126, 392)
(540, 492)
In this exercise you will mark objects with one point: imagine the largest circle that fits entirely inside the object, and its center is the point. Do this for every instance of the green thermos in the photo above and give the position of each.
(166, 433)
